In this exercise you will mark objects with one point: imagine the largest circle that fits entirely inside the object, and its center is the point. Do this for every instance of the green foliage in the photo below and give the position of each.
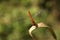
(41, 33)
(15, 22)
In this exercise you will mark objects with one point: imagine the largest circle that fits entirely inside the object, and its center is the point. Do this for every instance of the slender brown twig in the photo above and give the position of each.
(32, 20)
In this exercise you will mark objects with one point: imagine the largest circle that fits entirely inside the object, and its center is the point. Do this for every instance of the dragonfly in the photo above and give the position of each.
(39, 25)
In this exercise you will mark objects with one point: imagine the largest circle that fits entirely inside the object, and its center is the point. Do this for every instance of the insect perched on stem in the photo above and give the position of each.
(39, 25)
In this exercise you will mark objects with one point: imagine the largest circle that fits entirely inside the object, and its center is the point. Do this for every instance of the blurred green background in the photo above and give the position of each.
(15, 22)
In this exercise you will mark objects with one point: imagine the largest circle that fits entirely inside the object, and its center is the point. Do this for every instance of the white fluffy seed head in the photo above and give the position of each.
(31, 29)
(42, 25)
(34, 27)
